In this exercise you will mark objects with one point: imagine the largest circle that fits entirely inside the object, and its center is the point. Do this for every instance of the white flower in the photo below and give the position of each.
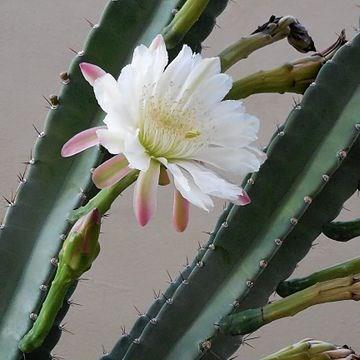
(164, 118)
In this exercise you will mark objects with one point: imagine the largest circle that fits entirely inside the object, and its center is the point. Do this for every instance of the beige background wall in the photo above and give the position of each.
(34, 37)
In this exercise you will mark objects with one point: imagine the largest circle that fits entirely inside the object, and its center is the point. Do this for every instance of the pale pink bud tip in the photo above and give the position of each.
(91, 72)
(81, 142)
(244, 198)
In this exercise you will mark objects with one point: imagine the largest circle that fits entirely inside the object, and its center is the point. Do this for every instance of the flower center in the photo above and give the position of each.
(169, 130)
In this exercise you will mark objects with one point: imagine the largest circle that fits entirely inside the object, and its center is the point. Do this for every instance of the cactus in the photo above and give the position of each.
(80, 249)
(347, 268)
(53, 187)
(342, 230)
(247, 321)
(245, 262)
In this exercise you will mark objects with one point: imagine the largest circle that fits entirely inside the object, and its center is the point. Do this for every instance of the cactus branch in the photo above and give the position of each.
(309, 349)
(277, 28)
(347, 288)
(295, 76)
(104, 199)
(78, 252)
(184, 19)
(342, 230)
(347, 268)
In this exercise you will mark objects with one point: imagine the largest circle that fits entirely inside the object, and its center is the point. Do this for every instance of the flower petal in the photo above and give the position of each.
(145, 193)
(135, 153)
(110, 172)
(231, 126)
(81, 141)
(112, 141)
(188, 189)
(238, 161)
(91, 72)
(149, 62)
(211, 91)
(211, 184)
(204, 69)
(107, 94)
(244, 198)
(180, 212)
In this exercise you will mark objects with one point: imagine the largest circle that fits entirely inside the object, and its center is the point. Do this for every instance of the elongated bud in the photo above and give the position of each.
(81, 246)
(310, 349)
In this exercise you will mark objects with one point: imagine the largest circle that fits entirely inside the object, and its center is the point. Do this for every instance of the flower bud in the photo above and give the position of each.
(81, 246)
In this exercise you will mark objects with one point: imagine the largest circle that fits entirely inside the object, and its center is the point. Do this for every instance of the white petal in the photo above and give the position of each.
(107, 93)
(210, 183)
(211, 91)
(174, 76)
(113, 142)
(238, 161)
(190, 191)
(233, 129)
(135, 153)
(149, 63)
(204, 69)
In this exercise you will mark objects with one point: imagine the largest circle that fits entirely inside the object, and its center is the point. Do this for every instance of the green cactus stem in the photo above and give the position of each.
(247, 321)
(80, 249)
(277, 28)
(342, 230)
(183, 21)
(292, 286)
(309, 349)
(104, 198)
(295, 76)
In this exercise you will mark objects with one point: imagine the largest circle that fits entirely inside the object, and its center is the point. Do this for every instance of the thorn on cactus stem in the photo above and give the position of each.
(54, 261)
(54, 100)
(138, 311)
(136, 341)
(91, 24)
(73, 303)
(62, 327)
(43, 288)
(64, 77)
(39, 133)
(170, 278)
(77, 53)
(156, 294)
(33, 316)
(123, 330)
(21, 177)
